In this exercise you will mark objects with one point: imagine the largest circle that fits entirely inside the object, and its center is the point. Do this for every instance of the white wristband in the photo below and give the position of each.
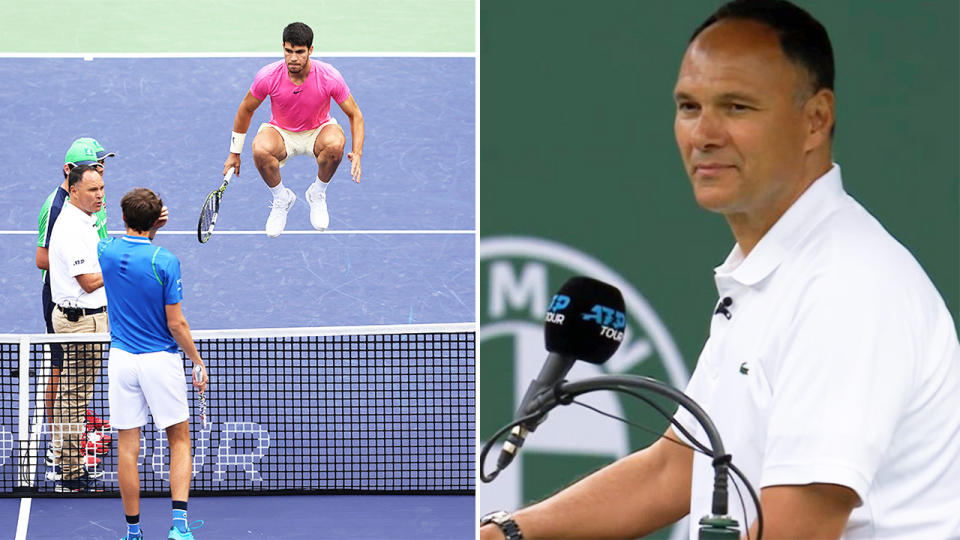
(236, 142)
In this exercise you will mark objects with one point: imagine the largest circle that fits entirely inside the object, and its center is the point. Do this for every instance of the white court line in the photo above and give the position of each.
(24, 519)
(272, 54)
(260, 231)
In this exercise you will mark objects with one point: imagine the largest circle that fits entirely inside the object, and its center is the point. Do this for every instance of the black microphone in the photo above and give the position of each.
(722, 306)
(586, 321)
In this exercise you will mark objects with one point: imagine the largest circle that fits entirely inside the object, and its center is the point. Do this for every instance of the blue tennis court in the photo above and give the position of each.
(400, 248)
(360, 517)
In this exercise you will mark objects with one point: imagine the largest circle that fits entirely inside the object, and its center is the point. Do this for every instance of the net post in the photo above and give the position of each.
(23, 407)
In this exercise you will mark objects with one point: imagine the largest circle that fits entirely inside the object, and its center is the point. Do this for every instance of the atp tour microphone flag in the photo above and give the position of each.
(585, 320)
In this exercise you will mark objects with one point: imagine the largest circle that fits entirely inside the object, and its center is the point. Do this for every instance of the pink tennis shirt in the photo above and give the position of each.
(304, 107)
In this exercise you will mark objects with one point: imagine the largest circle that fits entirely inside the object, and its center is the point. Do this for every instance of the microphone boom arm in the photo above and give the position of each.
(565, 391)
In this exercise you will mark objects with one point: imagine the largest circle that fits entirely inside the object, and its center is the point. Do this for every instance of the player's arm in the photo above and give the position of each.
(632, 497)
(180, 330)
(90, 282)
(808, 511)
(245, 113)
(241, 123)
(350, 108)
(43, 251)
(43, 258)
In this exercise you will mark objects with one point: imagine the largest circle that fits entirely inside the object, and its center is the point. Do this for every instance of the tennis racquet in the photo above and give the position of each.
(198, 373)
(211, 209)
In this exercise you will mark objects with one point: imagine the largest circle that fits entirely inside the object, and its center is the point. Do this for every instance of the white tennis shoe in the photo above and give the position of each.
(319, 217)
(277, 219)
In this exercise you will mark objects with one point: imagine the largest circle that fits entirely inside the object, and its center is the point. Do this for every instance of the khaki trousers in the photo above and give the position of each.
(81, 365)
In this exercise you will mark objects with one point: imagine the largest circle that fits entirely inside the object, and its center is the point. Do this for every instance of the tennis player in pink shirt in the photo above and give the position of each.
(300, 124)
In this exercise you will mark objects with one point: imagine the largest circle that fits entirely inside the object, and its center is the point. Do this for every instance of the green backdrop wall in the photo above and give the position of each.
(577, 147)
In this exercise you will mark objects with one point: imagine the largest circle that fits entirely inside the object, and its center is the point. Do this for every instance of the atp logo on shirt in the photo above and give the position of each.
(78, 262)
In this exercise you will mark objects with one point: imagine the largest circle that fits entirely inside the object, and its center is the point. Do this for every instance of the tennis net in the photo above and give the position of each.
(379, 409)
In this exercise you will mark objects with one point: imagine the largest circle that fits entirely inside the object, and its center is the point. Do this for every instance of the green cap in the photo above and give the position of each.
(86, 151)
(101, 153)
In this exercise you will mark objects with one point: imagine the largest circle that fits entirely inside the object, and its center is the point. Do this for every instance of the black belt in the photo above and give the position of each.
(82, 311)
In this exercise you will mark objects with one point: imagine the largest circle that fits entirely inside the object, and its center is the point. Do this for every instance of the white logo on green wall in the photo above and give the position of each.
(518, 276)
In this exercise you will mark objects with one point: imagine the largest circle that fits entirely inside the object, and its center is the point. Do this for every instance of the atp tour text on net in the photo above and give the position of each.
(225, 457)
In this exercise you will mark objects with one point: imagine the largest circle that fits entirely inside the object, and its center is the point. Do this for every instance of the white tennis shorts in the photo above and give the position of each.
(298, 143)
(137, 381)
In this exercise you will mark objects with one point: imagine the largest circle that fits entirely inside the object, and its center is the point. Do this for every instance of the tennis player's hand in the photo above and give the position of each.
(354, 158)
(200, 384)
(233, 162)
(162, 220)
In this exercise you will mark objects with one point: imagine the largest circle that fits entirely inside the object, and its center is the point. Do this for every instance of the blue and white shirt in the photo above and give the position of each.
(140, 280)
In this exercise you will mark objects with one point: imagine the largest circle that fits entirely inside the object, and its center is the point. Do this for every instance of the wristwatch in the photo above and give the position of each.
(505, 521)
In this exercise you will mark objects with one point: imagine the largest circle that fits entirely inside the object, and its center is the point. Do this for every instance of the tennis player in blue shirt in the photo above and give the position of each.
(144, 290)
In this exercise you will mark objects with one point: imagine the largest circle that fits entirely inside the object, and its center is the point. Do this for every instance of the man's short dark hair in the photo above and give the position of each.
(803, 39)
(141, 209)
(298, 34)
(76, 174)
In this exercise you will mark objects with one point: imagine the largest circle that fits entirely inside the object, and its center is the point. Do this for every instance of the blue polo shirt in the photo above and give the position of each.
(140, 280)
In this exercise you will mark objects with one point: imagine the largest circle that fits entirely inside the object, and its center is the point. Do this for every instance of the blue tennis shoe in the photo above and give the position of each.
(175, 534)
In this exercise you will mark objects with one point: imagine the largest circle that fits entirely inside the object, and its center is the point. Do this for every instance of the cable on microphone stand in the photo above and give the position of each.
(715, 525)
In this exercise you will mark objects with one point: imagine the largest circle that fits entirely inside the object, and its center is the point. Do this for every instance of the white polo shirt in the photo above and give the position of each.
(839, 364)
(73, 251)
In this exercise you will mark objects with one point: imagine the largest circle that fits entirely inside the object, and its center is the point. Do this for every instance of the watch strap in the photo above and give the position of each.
(504, 520)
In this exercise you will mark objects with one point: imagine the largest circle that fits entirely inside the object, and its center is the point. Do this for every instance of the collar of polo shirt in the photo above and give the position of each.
(90, 218)
(820, 199)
